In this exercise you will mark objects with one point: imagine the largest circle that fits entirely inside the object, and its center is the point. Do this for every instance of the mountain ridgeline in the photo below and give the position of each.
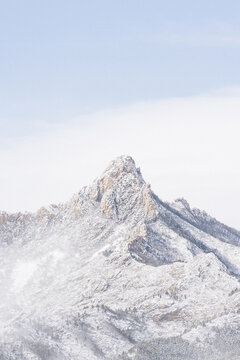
(116, 273)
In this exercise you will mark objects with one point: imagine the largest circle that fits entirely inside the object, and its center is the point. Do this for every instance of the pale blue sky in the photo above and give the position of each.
(59, 59)
(84, 81)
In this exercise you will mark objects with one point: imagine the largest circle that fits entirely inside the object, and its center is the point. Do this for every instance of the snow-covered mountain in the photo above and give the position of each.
(116, 273)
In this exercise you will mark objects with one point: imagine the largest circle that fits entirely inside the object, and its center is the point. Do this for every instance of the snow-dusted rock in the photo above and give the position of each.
(117, 273)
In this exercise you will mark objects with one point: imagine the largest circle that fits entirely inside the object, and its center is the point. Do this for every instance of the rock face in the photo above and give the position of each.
(116, 273)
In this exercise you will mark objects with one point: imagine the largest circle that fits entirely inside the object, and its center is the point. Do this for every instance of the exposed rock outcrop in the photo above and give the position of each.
(116, 273)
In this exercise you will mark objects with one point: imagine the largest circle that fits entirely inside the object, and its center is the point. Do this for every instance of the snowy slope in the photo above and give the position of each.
(115, 272)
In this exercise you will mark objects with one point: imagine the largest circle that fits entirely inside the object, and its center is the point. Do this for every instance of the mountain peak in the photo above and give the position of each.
(118, 188)
(123, 164)
(121, 172)
(122, 161)
(116, 267)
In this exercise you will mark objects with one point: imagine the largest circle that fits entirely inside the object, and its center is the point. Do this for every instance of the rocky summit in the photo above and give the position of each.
(116, 273)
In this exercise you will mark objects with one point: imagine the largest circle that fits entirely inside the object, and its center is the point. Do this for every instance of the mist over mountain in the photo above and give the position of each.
(116, 273)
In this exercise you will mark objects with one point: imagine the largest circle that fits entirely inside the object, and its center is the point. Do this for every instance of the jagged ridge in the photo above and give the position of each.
(113, 267)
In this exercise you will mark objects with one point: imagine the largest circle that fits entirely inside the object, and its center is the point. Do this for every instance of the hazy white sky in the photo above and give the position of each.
(186, 147)
(59, 58)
